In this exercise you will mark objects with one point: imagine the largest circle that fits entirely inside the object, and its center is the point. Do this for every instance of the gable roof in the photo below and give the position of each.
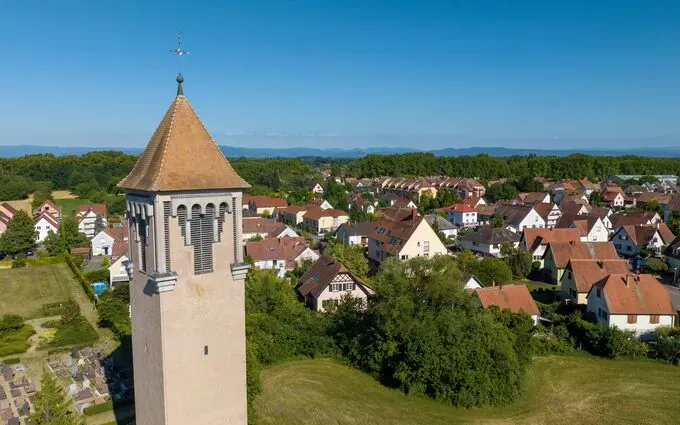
(515, 298)
(460, 208)
(396, 229)
(544, 209)
(119, 232)
(265, 201)
(587, 272)
(533, 197)
(673, 249)
(260, 225)
(562, 252)
(642, 294)
(492, 236)
(362, 228)
(294, 209)
(642, 235)
(513, 214)
(402, 203)
(645, 197)
(48, 218)
(99, 209)
(4, 218)
(584, 222)
(473, 201)
(8, 208)
(573, 208)
(286, 248)
(443, 223)
(633, 218)
(317, 213)
(182, 155)
(674, 203)
(322, 273)
(535, 237)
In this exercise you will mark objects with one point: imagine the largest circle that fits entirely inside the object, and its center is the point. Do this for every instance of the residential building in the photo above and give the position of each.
(281, 254)
(44, 224)
(515, 298)
(120, 270)
(558, 255)
(354, 233)
(403, 234)
(634, 189)
(264, 228)
(324, 221)
(672, 254)
(461, 215)
(642, 199)
(549, 212)
(88, 215)
(6, 214)
(471, 283)
(50, 208)
(531, 198)
(187, 292)
(316, 187)
(673, 207)
(634, 219)
(591, 228)
(574, 208)
(264, 204)
(621, 178)
(393, 200)
(632, 302)
(519, 217)
(361, 203)
(630, 240)
(294, 214)
(581, 275)
(327, 282)
(442, 225)
(536, 241)
(321, 203)
(409, 188)
(474, 201)
(102, 243)
(488, 240)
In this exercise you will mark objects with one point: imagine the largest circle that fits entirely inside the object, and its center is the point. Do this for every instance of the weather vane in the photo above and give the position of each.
(179, 51)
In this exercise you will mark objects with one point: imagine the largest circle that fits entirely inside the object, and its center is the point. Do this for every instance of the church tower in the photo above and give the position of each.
(187, 294)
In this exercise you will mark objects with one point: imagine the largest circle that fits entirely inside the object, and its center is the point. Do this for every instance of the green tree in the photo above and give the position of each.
(595, 199)
(69, 233)
(501, 191)
(352, 257)
(673, 222)
(498, 221)
(20, 234)
(98, 224)
(336, 194)
(652, 206)
(70, 313)
(53, 243)
(492, 271)
(41, 193)
(51, 406)
(518, 260)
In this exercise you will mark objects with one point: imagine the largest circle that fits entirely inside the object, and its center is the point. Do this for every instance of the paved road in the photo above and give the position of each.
(675, 296)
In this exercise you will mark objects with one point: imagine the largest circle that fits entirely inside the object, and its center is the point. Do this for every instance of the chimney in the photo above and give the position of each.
(414, 214)
(627, 278)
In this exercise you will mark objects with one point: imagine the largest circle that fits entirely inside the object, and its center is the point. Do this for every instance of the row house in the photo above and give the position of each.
(279, 254)
(409, 188)
(630, 240)
(466, 188)
(323, 221)
(536, 241)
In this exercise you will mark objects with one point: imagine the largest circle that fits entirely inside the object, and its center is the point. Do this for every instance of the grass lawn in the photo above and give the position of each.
(25, 290)
(15, 342)
(71, 204)
(566, 390)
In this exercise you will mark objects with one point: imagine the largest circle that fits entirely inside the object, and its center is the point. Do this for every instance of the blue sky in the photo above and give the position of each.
(421, 74)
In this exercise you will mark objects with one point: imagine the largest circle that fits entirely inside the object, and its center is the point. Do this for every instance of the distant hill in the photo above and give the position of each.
(234, 152)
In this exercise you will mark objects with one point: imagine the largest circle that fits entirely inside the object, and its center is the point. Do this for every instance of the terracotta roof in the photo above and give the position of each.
(320, 275)
(532, 197)
(286, 248)
(316, 201)
(357, 229)
(645, 197)
(461, 208)
(643, 294)
(294, 209)
(49, 218)
(118, 233)
(674, 203)
(401, 203)
(119, 248)
(572, 207)
(265, 201)
(396, 213)
(544, 209)
(473, 201)
(584, 222)
(611, 196)
(260, 225)
(99, 209)
(587, 272)
(394, 231)
(601, 212)
(182, 155)
(492, 236)
(50, 204)
(641, 235)
(634, 218)
(515, 298)
(564, 251)
(535, 237)
(316, 213)
(8, 208)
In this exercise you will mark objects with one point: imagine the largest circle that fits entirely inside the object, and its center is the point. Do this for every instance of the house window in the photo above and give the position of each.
(568, 274)
(632, 318)
(426, 246)
(141, 231)
(205, 350)
(654, 318)
(599, 293)
(605, 315)
(628, 248)
(404, 257)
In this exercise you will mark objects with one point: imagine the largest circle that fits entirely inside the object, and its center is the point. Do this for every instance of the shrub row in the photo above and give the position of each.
(53, 309)
(47, 260)
(12, 360)
(84, 283)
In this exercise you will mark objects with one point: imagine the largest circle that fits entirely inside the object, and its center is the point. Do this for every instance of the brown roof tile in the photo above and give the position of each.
(587, 272)
(99, 209)
(265, 201)
(535, 237)
(320, 275)
(516, 298)
(316, 213)
(396, 229)
(532, 197)
(261, 225)
(182, 155)
(286, 248)
(643, 294)
(562, 252)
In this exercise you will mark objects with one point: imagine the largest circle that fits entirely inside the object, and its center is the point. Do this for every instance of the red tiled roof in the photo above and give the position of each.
(532, 197)
(260, 225)
(641, 235)
(462, 208)
(99, 209)
(544, 209)
(316, 213)
(515, 298)
(118, 233)
(562, 252)
(265, 201)
(643, 294)
(294, 209)
(7, 207)
(611, 196)
(120, 248)
(394, 230)
(535, 237)
(472, 201)
(587, 272)
(286, 248)
(49, 218)
(320, 275)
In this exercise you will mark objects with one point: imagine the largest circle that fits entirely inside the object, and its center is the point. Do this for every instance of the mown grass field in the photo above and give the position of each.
(15, 342)
(560, 390)
(24, 291)
(68, 205)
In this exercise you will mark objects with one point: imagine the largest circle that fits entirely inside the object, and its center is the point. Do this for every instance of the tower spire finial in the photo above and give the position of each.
(180, 80)
(179, 51)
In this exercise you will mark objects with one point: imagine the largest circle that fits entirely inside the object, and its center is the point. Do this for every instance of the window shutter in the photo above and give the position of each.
(654, 318)
(201, 232)
(166, 231)
(632, 318)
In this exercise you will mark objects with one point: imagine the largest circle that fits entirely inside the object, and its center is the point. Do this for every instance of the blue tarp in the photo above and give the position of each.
(99, 287)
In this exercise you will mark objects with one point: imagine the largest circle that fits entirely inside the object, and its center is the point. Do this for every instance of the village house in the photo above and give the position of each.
(591, 228)
(48, 207)
(634, 189)
(354, 233)
(488, 240)
(672, 254)
(518, 217)
(88, 215)
(617, 199)
(279, 254)
(393, 200)
(587, 187)
(324, 221)
(515, 298)
(632, 302)
(44, 224)
(549, 212)
(471, 283)
(264, 204)
(409, 188)
(581, 275)
(461, 215)
(575, 196)
(6, 214)
(321, 203)
(442, 225)
(673, 207)
(327, 282)
(531, 198)
(574, 208)
(264, 228)
(536, 241)
(485, 213)
(630, 240)
(361, 203)
(403, 234)
(558, 255)
(102, 243)
(316, 187)
(474, 201)
(120, 270)
(642, 199)
(466, 188)
(294, 214)
(637, 218)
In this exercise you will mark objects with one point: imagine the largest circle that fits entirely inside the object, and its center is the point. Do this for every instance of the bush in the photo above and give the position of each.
(51, 324)
(656, 266)
(52, 309)
(15, 341)
(106, 262)
(612, 342)
(19, 262)
(12, 360)
(80, 332)
(74, 265)
(11, 322)
(47, 260)
(668, 345)
(101, 275)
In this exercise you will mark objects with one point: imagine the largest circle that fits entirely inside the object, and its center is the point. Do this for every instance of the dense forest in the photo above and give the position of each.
(94, 175)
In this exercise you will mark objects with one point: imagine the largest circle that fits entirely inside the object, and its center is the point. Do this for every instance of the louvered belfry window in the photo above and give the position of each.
(220, 220)
(166, 231)
(141, 232)
(201, 228)
(182, 219)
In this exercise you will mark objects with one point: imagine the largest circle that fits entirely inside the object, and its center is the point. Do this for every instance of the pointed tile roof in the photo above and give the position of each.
(182, 155)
